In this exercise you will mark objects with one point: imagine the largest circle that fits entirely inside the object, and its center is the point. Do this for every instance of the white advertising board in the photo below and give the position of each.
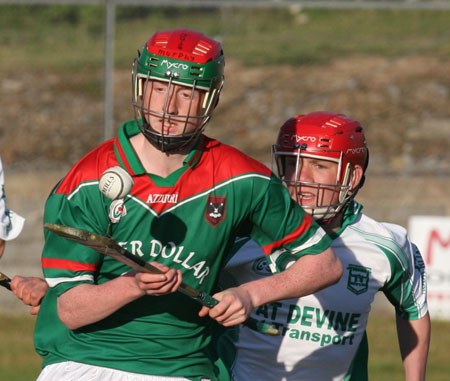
(432, 237)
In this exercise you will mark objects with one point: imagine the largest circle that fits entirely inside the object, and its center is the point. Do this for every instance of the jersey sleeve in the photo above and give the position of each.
(78, 204)
(407, 288)
(283, 229)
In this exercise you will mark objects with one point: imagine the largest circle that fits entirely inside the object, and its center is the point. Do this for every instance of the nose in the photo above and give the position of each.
(172, 104)
(304, 174)
(306, 171)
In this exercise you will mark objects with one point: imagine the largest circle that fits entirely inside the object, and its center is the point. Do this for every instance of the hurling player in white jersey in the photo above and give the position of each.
(321, 157)
(29, 289)
(11, 224)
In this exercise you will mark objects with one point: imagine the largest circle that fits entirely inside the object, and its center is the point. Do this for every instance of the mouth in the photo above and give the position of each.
(306, 198)
(170, 126)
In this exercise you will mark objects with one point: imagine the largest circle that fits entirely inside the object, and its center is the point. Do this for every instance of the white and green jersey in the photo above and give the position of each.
(188, 221)
(323, 335)
(11, 223)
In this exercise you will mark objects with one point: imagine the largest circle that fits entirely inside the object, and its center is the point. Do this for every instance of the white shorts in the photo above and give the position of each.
(74, 371)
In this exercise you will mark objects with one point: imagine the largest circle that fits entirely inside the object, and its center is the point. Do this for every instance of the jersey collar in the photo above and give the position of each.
(351, 213)
(129, 160)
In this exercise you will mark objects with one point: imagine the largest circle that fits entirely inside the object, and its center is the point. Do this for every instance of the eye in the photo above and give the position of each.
(160, 88)
(321, 164)
(157, 86)
(186, 94)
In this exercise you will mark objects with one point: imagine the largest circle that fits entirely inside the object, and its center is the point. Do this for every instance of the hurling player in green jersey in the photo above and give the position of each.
(322, 157)
(191, 197)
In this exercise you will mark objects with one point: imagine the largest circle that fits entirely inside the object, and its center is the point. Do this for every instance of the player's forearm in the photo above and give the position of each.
(307, 275)
(414, 340)
(86, 304)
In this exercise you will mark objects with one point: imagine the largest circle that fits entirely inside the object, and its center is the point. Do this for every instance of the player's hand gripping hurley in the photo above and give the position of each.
(111, 248)
(5, 281)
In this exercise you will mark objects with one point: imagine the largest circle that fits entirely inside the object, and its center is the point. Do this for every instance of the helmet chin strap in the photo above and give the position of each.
(170, 144)
(330, 220)
(322, 213)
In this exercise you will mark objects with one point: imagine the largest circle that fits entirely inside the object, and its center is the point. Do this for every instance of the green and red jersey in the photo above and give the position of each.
(188, 221)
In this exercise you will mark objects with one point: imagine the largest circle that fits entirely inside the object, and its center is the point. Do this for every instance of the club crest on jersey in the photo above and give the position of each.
(261, 267)
(117, 210)
(358, 279)
(215, 210)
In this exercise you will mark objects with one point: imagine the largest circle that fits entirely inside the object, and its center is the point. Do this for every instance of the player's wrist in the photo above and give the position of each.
(132, 284)
(251, 295)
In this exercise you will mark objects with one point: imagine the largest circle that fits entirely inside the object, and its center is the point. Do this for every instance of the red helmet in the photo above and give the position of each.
(325, 136)
(182, 57)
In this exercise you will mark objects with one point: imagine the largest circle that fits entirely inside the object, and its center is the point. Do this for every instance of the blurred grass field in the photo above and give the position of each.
(19, 362)
(70, 37)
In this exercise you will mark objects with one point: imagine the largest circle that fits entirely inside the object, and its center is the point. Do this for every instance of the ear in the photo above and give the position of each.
(357, 175)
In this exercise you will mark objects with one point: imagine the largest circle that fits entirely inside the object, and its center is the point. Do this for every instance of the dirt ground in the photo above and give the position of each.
(49, 120)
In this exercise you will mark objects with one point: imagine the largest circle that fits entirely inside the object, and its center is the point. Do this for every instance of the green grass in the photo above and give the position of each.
(19, 362)
(384, 354)
(71, 37)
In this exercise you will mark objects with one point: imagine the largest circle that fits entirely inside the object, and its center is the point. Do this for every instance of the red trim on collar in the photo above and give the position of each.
(123, 157)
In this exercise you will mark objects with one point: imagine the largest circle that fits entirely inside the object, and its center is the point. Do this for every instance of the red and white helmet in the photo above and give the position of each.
(324, 136)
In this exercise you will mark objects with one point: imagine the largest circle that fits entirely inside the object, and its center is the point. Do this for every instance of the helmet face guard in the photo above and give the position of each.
(322, 210)
(198, 67)
(322, 136)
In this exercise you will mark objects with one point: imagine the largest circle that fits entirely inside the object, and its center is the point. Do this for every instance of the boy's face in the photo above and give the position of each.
(318, 177)
(173, 109)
